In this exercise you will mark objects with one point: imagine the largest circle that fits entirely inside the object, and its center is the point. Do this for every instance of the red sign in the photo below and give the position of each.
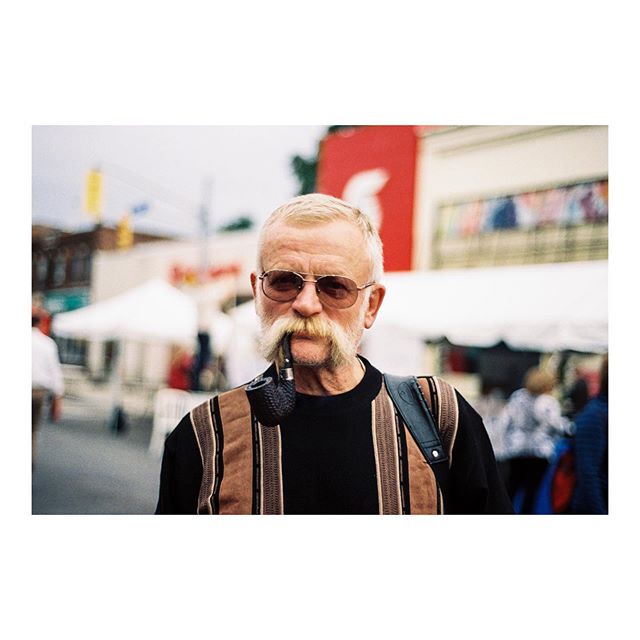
(180, 274)
(374, 169)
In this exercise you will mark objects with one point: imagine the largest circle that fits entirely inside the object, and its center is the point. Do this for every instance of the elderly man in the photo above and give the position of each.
(343, 448)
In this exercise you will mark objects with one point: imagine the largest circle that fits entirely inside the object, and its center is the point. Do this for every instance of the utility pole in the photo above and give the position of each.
(203, 352)
(207, 192)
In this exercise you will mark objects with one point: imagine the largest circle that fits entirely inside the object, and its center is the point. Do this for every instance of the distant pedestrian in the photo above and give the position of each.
(180, 370)
(532, 422)
(490, 406)
(46, 377)
(591, 451)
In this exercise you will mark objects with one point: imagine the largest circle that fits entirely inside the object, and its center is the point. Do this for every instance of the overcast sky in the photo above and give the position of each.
(166, 166)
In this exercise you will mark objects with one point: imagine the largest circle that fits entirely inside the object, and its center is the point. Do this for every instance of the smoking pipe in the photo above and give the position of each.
(271, 400)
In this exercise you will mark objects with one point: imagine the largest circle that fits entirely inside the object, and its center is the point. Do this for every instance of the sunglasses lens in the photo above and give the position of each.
(337, 291)
(281, 285)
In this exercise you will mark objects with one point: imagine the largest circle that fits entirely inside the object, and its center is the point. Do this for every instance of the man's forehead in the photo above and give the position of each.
(324, 243)
(300, 229)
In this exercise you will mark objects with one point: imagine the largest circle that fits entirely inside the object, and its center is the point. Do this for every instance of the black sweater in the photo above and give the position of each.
(328, 464)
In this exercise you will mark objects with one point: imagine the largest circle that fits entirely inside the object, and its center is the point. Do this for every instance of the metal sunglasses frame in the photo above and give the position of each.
(262, 276)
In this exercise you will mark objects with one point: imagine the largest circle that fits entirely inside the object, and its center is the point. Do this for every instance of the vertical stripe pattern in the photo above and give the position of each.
(442, 401)
(236, 487)
(423, 488)
(203, 428)
(242, 471)
(385, 445)
(271, 493)
(447, 418)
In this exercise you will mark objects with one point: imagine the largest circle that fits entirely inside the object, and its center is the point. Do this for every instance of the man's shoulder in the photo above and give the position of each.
(545, 403)
(598, 403)
(435, 379)
(420, 376)
(438, 386)
(441, 387)
(596, 409)
(44, 343)
(229, 398)
(453, 403)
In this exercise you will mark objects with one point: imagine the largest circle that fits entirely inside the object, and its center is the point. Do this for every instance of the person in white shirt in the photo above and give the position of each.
(46, 377)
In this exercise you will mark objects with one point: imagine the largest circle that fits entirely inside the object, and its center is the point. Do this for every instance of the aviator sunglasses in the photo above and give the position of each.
(336, 292)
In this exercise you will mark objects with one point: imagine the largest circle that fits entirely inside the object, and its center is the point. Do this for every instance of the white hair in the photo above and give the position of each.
(317, 208)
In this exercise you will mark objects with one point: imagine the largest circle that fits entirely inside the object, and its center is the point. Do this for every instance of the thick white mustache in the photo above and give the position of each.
(343, 345)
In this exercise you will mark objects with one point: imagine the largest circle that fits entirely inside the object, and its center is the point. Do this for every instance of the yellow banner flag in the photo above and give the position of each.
(93, 199)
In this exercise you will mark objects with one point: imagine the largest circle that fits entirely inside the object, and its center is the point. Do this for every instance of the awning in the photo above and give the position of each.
(544, 307)
(153, 312)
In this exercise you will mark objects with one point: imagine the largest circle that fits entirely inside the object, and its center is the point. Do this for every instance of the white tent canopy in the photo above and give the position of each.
(153, 312)
(544, 307)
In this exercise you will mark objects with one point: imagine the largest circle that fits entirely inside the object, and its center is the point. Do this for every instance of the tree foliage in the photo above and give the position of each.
(306, 169)
(238, 224)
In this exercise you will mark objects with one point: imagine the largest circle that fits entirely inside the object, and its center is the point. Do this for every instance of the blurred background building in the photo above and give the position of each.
(62, 272)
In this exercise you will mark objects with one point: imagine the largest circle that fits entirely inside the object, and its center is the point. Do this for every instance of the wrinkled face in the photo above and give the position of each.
(322, 336)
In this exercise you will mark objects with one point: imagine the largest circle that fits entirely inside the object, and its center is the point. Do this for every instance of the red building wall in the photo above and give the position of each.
(374, 168)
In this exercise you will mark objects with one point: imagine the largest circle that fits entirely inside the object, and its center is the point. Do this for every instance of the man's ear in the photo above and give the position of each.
(254, 281)
(375, 301)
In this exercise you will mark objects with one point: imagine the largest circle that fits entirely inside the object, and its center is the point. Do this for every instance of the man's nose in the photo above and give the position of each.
(307, 302)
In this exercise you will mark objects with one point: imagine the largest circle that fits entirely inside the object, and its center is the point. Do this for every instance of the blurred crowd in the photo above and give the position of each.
(551, 443)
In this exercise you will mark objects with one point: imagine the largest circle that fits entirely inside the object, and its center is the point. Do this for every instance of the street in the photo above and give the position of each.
(83, 467)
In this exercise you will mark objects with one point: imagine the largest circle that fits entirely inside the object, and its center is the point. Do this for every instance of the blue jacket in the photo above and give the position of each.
(591, 455)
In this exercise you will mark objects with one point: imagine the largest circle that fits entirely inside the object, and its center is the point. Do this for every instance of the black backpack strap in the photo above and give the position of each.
(412, 407)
